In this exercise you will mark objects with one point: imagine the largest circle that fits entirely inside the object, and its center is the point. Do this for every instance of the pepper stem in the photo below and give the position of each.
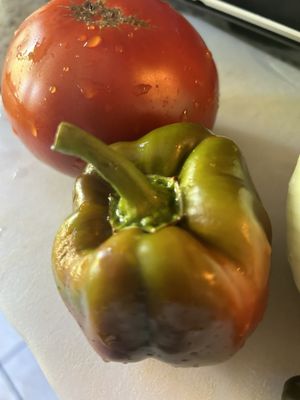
(139, 198)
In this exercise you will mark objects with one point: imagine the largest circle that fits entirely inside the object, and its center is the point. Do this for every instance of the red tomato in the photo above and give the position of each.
(117, 68)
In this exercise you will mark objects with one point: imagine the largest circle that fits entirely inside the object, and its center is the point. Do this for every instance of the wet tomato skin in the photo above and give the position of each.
(117, 82)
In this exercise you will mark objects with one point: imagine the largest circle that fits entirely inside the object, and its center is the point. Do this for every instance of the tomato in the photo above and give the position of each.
(117, 68)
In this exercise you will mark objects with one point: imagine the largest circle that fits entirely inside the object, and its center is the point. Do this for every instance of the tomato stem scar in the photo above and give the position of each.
(95, 12)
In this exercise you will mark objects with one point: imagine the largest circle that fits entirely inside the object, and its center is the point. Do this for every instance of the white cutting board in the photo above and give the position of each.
(260, 109)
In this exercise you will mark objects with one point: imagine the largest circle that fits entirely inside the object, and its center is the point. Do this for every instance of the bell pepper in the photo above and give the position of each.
(167, 251)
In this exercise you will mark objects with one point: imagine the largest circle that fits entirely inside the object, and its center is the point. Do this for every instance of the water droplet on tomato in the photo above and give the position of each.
(82, 38)
(52, 89)
(93, 42)
(91, 27)
(66, 69)
(198, 82)
(196, 104)
(130, 35)
(34, 131)
(87, 88)
(119, 48)
(39, 51)
(141, 89)
(184, 115)
(65, 45)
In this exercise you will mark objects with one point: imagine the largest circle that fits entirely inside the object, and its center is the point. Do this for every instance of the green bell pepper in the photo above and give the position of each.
(167, 252)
